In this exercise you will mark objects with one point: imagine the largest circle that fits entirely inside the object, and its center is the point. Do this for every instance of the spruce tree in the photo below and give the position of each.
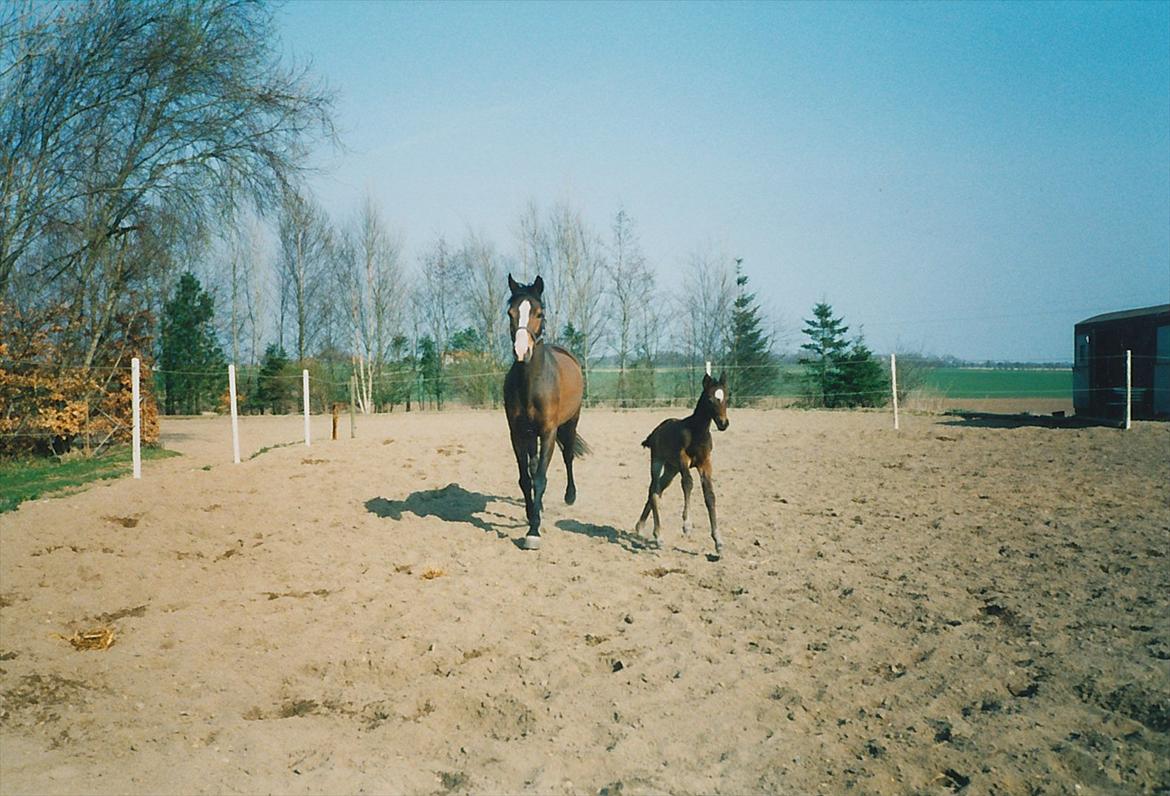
(825, 346)
(863, 381)
(839, 373)
(193, 367)
(752, 371)
(274, 384)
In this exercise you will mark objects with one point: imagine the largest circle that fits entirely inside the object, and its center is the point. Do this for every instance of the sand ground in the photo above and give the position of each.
(961, 606)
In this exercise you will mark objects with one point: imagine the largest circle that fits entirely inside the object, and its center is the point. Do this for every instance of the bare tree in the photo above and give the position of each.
(436, 312)
(578, 254)
(485, 289)
(372, 275)
(119, 116)
(306, 251)
(708, 301)
(631, 292)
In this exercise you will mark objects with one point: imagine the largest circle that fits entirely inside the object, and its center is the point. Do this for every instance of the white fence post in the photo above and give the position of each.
(305, 390)
(235, 415)
(1128, 388)
(136, 436)
(894, 387)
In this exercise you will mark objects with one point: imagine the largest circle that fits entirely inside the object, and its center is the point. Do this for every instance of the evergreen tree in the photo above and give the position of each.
(752, 371)
(274, 384)
(826, 347)
(863, 381)
(193, 367)
(574, 340)
(839, 373)
(430, 368)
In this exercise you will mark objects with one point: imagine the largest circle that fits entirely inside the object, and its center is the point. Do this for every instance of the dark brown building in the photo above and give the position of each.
(1099, 349)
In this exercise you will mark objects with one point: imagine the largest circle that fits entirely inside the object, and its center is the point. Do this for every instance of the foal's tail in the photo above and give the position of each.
(580, 447)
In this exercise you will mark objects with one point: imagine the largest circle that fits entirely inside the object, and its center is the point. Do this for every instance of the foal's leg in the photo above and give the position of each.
(668, 474)
(709, 499)
(651, 505)
(687, 483)
(567, 436)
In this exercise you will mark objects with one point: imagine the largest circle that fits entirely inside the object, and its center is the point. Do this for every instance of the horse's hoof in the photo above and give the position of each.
(530, 542)
(571, 497)
(686, 528)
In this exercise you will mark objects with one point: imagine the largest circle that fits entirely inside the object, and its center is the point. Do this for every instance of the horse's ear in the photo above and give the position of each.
(538, 286)
(723, 378)
(512, 285)
(707, 380)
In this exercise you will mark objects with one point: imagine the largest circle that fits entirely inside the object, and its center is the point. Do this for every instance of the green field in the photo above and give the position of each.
(29, 479)
(994, 383)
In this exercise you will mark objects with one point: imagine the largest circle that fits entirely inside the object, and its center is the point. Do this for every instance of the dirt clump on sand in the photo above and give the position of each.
(956, 607)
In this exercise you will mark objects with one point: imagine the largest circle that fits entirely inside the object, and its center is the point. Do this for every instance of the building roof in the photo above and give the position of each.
(1157, 309)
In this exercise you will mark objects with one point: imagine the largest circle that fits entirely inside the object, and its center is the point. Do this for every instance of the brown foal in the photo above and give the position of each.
(678, 445)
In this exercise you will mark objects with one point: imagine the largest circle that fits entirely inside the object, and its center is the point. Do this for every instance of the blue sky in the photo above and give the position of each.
(966, 179)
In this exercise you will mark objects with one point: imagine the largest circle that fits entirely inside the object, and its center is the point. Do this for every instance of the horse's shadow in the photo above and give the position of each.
(452, 503)
(624, 539)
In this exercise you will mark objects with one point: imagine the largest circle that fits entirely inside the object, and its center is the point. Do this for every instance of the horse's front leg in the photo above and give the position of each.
(709, 499)
(539, 465)
(520, 446)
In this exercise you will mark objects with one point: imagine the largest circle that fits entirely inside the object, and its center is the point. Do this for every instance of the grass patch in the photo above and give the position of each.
(999, 383)
(267, 448)
(29, 479)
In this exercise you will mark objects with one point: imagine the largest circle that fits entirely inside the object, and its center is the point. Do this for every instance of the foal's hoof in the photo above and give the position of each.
(570, 496)
(686, 528)
(530, 542)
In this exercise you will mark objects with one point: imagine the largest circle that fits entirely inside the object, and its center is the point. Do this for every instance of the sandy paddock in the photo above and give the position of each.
(957, 607)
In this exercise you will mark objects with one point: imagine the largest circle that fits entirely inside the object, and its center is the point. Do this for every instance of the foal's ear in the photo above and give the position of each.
(512, 285)
(707, 380)
(723, 378)
(538, 286)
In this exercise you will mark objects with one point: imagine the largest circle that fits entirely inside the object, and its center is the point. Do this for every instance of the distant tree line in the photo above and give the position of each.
(152, 204)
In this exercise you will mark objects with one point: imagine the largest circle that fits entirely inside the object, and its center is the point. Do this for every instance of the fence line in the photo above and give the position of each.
(616, 401)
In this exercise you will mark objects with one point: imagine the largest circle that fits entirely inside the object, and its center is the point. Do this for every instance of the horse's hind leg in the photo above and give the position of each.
(651, 503)
(567, 437)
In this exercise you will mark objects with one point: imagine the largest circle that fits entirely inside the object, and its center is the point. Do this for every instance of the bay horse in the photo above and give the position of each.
(676, 446)
(542, 399)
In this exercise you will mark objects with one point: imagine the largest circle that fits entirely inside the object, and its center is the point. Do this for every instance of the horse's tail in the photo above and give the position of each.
(580, 447)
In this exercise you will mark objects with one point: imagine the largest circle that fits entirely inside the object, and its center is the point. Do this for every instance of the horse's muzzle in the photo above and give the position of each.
(522, 345)
(722, 424)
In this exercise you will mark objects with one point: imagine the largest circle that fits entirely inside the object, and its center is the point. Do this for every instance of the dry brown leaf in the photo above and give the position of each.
(99, 638)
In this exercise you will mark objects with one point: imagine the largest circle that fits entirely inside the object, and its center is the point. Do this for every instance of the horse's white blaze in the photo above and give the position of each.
(523, 338)
(719, 394)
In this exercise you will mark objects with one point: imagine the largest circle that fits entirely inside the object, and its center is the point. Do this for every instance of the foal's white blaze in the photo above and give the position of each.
(719, 394)
(523, 338)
